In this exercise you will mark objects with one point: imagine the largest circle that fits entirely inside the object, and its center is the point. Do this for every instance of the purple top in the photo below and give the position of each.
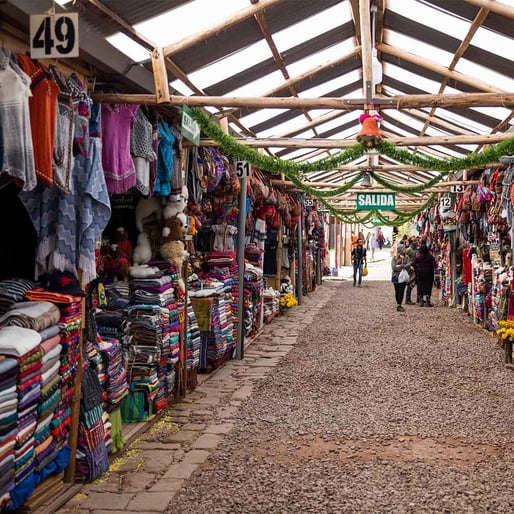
(119, 169)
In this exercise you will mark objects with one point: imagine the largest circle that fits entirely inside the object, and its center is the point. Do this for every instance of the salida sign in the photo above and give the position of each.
(376, 201)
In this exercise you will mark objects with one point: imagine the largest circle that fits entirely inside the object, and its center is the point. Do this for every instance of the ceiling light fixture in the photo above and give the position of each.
(366, 180)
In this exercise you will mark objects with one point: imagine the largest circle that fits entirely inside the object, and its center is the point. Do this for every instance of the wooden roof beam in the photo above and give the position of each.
(477, 23)
(497, 7)
(462, 100)
(343, 143)
(437, 68)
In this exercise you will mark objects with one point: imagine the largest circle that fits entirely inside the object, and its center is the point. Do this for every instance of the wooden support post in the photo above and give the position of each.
(69, 473)
(507, 346)
(160, 74)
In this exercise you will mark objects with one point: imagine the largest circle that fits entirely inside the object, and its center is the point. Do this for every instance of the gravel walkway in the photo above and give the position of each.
(372, 411)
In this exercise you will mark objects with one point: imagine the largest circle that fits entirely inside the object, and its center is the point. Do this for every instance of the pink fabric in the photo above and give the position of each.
(49, 344)
(119, 168)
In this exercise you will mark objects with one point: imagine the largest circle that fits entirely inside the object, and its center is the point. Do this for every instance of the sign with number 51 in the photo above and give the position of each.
(54, 35)
(243, 169)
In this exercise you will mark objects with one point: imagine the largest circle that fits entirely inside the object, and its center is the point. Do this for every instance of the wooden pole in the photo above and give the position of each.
(437, 68)
(344, 143)
(461, 100)
(160, 75)
(497, 7)
(69, 472)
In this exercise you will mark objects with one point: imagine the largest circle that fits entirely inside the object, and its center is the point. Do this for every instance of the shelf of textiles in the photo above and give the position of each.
(104, 386)
(271, 300)
(480, 290)
(216, 326)
(193, 344)
(253, 300)
(309, 273)
(39, 355)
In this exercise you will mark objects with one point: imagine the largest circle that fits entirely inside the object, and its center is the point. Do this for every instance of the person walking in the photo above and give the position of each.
(424, 263)
(411, 251)
(399, 263)
(380, 239)
(358, 261)
(373, 245)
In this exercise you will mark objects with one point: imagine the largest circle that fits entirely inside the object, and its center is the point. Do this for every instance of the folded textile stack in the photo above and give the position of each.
(46, 445)
(143, 347)
(34, 315)
(109, 324)
(114, 373)
(194, 340)
(221, 259)
(8, 421)
(216, 326)
(271, 300)
(69, 325)
(13, 291)
(92, 452)
(117, 295)
(23, 344)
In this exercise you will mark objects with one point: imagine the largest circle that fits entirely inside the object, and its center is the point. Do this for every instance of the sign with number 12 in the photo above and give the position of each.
(54, 35)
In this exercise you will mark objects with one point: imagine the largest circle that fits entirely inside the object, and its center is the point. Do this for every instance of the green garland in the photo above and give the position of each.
(278, 166)
(272, 164)
(293, 170)
(418, 188)
(473, 160)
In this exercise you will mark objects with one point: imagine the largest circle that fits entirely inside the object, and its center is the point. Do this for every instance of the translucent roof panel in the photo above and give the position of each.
(311, 27)
(191, 17)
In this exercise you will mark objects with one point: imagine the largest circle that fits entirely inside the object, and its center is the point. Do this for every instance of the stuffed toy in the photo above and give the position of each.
(146, 208)
(175, 227)
(143, 271)
(174, 251)
(143, 251)
(119, 265)
(123, 242)
(173, 208)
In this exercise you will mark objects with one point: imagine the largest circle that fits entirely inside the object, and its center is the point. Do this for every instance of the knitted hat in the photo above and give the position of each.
(64, 282)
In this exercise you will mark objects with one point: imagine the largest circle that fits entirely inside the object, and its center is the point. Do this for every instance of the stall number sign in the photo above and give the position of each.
(242, 169)
(189, 127)
(445, 203)
(458, 188)
(54, 35)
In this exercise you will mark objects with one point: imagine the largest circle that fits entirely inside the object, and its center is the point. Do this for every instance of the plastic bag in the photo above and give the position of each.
(403, 276)
(365, 271)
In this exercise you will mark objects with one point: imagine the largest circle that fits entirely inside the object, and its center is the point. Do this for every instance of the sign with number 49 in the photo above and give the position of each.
(54, 35)
(243, 169)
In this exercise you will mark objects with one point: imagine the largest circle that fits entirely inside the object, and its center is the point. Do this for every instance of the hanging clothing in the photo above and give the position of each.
(177, 179)
(63, 147)
(224, 237)
(164, 160)
(119, 169)
(141, 148)
(43, 116)
(69, 224)
(18, 152)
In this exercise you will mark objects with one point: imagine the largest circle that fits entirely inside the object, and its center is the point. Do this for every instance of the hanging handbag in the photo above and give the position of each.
(403, 276)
